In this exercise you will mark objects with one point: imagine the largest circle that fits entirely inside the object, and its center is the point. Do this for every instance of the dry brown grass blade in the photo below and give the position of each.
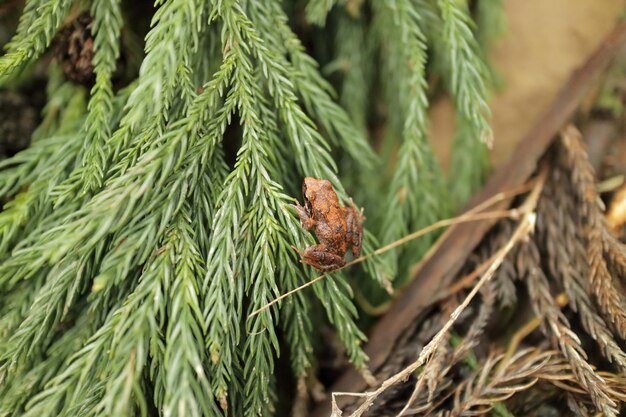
(558, 327)
(606, 292)
(522, 231)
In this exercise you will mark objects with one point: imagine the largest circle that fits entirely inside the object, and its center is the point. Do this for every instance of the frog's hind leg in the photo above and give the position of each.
(354, 222)
(319, 258)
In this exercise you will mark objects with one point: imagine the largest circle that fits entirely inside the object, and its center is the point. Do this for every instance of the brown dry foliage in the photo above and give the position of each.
(595, 228)
(573, 253)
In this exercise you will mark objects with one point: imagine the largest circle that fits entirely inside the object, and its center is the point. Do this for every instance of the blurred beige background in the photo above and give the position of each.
(545, 41)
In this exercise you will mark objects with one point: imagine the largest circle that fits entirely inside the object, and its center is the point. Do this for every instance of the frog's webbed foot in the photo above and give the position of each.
(354, 222)
(305, 219)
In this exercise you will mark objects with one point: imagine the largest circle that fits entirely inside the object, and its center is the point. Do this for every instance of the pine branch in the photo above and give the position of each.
(30, 213)
(52, 304)
(124, 336)
(186, 382)
(306, 142)
(42, 167)
(134, 246)
(414, 198)
(18, 390)
(318, 95)
(224, 293)
(29, 14)
(35, 34)
(490, 22)
(134, 190)
(317, 10)
(116, 351)
(466, 70)
(261, 342)
(106, 27)
(151, 99)
(353, 57)
(16, 307)
(469, 163)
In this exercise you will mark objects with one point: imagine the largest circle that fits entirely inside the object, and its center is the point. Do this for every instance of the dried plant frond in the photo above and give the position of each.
(431, 374)
(504, 281)
(601, 281)
(576, 406)
(497, 381)
(562, 237)
(485, 311)
(558, 327)
(410, 343)
(444, 359)
(615, 254)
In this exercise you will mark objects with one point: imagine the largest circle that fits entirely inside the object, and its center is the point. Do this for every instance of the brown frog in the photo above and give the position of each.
(337, 228)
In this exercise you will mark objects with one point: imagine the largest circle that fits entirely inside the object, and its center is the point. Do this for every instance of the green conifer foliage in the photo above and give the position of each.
(134, 248)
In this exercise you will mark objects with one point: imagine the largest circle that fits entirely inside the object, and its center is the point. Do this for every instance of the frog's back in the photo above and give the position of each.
(331, 227)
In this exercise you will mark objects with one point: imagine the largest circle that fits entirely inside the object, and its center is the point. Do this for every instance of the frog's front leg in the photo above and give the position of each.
(305, 219)
(319, 258)
(354, 223)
